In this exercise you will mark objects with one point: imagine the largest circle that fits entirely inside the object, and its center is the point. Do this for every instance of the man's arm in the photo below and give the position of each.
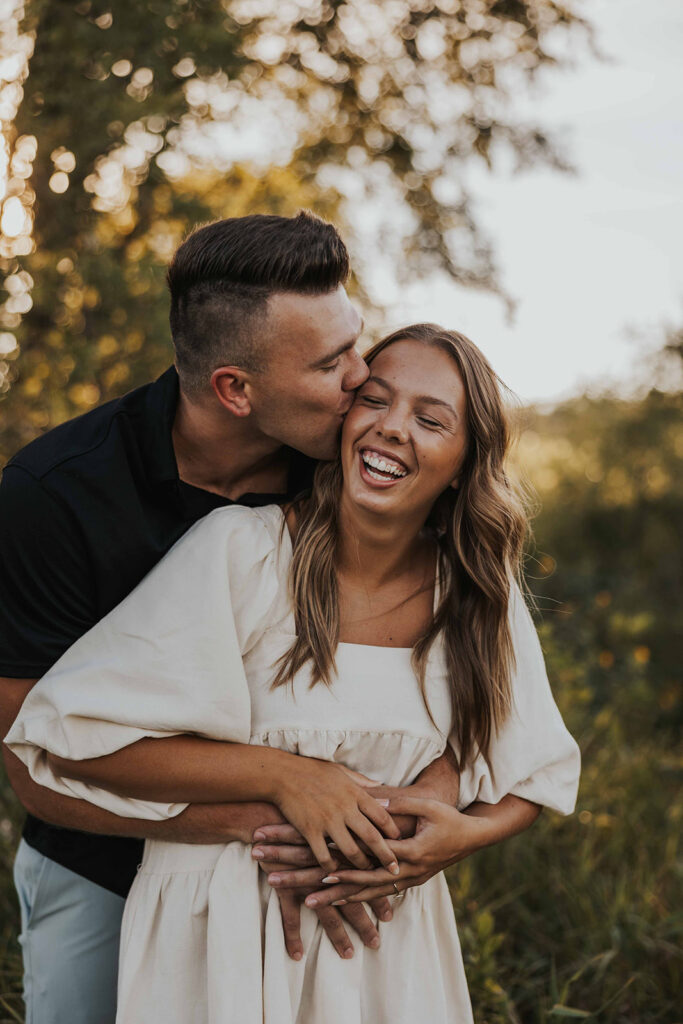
(441, 779)
(199, 823)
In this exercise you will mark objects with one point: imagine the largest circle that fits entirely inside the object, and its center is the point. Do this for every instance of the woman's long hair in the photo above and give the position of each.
(479, 529)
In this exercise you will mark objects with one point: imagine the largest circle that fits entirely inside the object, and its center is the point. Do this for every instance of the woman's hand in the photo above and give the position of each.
(442, 837)
(325, 801)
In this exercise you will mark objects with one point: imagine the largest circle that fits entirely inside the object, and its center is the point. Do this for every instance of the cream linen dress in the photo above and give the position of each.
(192, 649)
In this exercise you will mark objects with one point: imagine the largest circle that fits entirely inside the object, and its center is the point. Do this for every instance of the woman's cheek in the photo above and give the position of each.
(358, 421)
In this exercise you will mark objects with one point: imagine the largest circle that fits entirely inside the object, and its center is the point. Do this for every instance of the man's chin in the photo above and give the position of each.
(329, 454)
(322, 449)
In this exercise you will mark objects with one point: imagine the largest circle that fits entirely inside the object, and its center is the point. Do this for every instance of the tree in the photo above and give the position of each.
(118, 144)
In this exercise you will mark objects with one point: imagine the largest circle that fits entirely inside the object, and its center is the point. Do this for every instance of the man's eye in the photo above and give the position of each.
(332, 366)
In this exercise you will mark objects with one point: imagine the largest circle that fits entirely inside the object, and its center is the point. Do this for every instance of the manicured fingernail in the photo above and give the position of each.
(330, 879)
(384, 803)
(394, 868)
(296, 956)
(348, 953)
(339, 903)
(258, 854)
(258, 834)
(374, 943)
(311, 901)
(274, 879)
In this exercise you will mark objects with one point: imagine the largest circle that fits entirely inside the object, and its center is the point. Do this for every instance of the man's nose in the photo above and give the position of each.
(357, 373)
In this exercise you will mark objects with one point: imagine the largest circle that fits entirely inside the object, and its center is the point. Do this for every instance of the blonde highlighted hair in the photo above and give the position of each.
(479, 529)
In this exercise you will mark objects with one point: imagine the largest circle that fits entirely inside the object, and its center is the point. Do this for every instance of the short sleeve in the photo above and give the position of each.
(533, 755)
(167, 660)
(45, 581)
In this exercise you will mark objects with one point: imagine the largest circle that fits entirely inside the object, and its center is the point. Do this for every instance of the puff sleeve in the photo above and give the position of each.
(167, 660)
(533, 755)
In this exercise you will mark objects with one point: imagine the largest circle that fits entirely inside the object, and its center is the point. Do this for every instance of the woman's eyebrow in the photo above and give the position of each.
(438, 401)
(372, 379)
(430, 399)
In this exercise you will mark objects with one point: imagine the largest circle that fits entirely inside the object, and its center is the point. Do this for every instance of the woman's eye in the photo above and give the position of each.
(427, 422)
(371, 400)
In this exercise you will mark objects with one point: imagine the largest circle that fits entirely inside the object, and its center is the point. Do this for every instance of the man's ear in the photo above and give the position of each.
(230, 385)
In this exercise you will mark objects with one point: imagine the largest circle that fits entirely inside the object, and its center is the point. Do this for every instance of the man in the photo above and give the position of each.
(264, 336)
(87, 510)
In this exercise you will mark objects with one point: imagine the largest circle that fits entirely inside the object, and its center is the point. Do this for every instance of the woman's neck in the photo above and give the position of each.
(378, 549)
(385, 573)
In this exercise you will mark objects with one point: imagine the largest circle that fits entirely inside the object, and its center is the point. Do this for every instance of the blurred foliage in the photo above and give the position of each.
(124, 124)
(580, 919)
(607, 574)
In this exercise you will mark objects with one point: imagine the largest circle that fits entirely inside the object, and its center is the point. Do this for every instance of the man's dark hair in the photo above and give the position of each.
(222, 275)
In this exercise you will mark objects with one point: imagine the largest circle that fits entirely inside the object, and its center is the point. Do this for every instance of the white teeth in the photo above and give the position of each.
(382, 466)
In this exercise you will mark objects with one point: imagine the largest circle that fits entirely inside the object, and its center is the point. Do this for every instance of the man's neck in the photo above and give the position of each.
(224, 454)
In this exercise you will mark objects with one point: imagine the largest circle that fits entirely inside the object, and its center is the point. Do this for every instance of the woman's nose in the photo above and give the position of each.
(393, 425)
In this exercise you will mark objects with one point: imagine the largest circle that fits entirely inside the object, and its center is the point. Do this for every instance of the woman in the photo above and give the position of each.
(389, 626)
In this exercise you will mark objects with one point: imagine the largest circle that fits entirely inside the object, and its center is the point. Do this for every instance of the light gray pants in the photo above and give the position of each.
(70, 941)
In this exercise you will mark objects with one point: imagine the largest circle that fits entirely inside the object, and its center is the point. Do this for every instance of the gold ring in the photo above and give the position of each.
(396, 890)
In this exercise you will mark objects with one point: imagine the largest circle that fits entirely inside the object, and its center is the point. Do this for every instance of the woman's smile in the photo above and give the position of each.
(378, 468)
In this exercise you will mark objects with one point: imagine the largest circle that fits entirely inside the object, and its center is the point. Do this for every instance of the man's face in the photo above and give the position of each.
(312, 370)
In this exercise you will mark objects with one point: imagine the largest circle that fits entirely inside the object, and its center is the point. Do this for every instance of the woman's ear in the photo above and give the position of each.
(455, 483)
(230, 386)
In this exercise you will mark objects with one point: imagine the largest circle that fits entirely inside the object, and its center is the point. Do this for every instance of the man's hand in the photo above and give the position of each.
(294, 857)
(334, 921)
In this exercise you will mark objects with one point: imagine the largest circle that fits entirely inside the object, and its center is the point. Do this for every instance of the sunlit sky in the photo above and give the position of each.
(593, 257)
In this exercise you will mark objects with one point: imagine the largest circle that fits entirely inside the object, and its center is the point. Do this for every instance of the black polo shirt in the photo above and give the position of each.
(85, 512)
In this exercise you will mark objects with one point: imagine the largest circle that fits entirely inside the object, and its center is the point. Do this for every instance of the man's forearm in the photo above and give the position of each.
(199, 823)
(441, 778)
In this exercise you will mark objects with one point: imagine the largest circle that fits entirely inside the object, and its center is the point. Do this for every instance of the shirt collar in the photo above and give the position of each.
(161, 402)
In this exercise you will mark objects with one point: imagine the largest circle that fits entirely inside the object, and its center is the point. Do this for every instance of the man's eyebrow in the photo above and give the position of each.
(372, 379)
(331, 356)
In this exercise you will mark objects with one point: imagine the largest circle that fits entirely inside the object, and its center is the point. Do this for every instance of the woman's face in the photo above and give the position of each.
(405, 436)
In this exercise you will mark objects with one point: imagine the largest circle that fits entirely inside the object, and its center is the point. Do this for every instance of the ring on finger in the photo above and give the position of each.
(397, 894)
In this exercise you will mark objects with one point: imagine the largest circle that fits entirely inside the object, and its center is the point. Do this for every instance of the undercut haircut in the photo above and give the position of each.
(222, 276)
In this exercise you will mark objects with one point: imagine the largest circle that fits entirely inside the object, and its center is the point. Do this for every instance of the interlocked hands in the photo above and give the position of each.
(432, 836)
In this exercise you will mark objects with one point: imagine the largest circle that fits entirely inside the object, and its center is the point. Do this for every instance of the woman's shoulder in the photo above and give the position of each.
(263, 524)
(242, 540)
